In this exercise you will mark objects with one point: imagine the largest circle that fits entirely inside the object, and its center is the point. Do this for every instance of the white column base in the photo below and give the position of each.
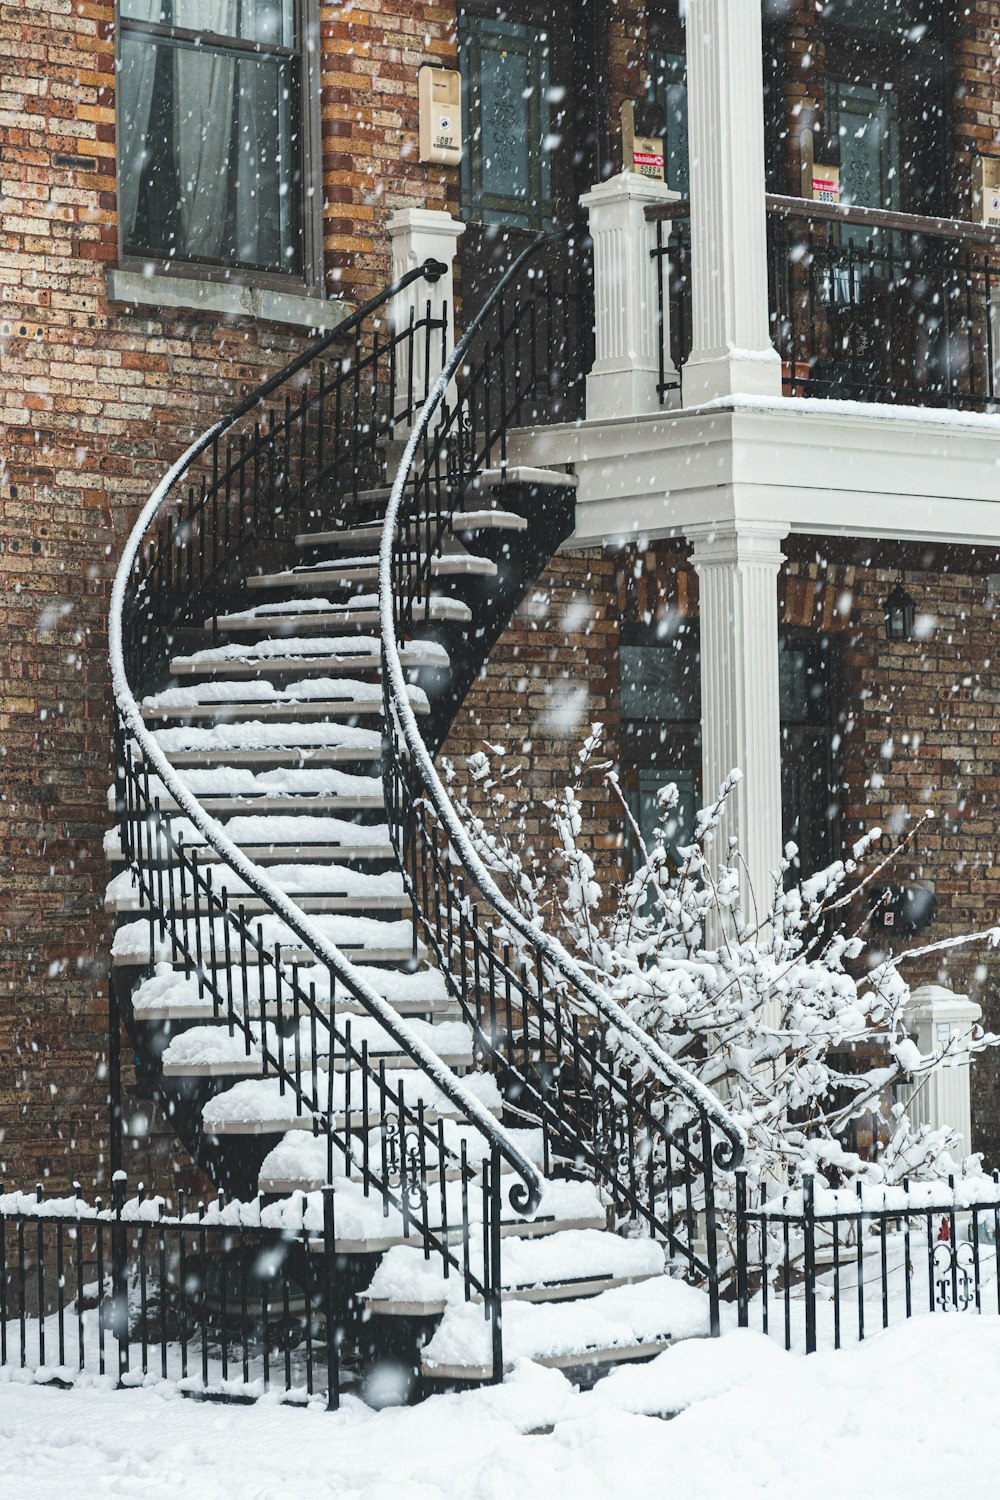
(714, 377)
(934, 1017)
(622, 393)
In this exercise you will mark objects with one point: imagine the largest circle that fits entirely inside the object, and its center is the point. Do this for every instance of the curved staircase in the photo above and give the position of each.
(319, 977)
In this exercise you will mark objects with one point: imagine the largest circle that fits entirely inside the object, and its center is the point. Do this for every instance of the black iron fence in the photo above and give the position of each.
(823, 1267)
(231, 1300)
(865, 305)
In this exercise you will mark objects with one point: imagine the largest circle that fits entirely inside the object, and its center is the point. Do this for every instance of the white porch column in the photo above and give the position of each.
(937, 1017)
(731, 347)
(737, 568)
(416, 235)
(626, 369)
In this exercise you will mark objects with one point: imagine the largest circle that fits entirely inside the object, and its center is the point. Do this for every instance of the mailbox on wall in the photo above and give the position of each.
(986, 190)
(440, 97)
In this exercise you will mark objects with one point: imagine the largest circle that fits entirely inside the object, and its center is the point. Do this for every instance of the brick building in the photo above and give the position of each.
(154, 272)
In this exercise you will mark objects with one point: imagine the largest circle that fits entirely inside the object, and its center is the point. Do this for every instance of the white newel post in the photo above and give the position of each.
(623, 381)
(416, 235)
(934, 1018)
(731, 347)
(737, 570)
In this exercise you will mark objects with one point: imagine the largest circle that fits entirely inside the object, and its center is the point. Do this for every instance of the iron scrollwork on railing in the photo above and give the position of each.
(539, 1020)
(300, 449)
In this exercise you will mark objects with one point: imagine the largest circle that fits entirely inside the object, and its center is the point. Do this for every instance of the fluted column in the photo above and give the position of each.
(731, 347)
(737, 568)
(627, 331)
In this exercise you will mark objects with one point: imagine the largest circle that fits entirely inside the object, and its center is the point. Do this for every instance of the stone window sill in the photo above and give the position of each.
(227, 298)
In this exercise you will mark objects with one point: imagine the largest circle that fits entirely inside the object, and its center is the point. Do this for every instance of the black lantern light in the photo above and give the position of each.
(900, 611)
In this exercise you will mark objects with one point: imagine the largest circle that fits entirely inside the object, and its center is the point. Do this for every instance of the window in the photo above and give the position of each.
(661, 727)
(661, 735)
(506, 104)
(213, 126)
(668, 95)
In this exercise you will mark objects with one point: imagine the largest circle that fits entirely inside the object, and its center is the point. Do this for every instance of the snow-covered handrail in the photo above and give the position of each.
(728, 1152)
(525, 1194)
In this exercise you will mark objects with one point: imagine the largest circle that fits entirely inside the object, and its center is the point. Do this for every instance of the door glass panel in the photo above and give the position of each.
(645, 806)
(660, 682)
(668, 96)
(866, 121)
(507, 162)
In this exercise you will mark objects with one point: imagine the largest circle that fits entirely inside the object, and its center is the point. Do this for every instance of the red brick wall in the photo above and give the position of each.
(977, 99)
(95, 401)
(921, 729)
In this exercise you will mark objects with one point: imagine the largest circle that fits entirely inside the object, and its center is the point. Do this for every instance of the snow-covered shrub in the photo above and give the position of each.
(779, 1010)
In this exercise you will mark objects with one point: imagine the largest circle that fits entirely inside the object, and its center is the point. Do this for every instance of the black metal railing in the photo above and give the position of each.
(229, 1299)
(626, 1116)
(865, 305)
(299, 450)
(822, 1267)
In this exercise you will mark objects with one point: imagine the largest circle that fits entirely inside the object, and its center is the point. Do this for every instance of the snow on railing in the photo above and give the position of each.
(525, 1193)
(727, 1152)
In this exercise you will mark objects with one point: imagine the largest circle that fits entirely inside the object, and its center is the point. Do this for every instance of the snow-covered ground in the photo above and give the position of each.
(911, 1412)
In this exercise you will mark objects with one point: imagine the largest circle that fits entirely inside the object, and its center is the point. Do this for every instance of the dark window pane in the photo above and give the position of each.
(268, 21)
(209, 156)
(507, 164)
(661, 681)
(892, 16)
(668, 96)
(646, 808)
(866, 121)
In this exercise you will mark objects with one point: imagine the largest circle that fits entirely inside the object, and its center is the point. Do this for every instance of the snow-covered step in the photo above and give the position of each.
(314, 789)
(363, 1228)
(362, 939)
(299, 1162)
(212, 1051)
(171, 995)
(557, 479)
(270, 838)
(258, 1106)
(625, 1323)
(557, 1267)
(463, 522)
(361, 570)
(253, 743)
(310, 698)
(361, 612)
(314, 887)
(280, 654)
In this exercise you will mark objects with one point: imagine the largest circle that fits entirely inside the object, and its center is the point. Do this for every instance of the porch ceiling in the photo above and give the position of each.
(833, 468)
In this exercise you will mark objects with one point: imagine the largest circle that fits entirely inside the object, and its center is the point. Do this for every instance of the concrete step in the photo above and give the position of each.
(279, 656)
(360, 613)
(224, 702)
(364, 570)
(464, 523)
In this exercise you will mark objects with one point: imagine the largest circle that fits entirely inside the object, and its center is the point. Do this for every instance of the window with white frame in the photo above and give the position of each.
(213, 135)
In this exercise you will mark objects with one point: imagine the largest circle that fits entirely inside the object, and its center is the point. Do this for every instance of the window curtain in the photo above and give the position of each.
(206, 183)
(139, 67)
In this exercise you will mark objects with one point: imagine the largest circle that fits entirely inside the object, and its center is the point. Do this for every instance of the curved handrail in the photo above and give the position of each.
(728, 1152)
(525, 1194)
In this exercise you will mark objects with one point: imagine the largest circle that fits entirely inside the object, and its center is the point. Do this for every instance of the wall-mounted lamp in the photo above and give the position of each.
(900, 612)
